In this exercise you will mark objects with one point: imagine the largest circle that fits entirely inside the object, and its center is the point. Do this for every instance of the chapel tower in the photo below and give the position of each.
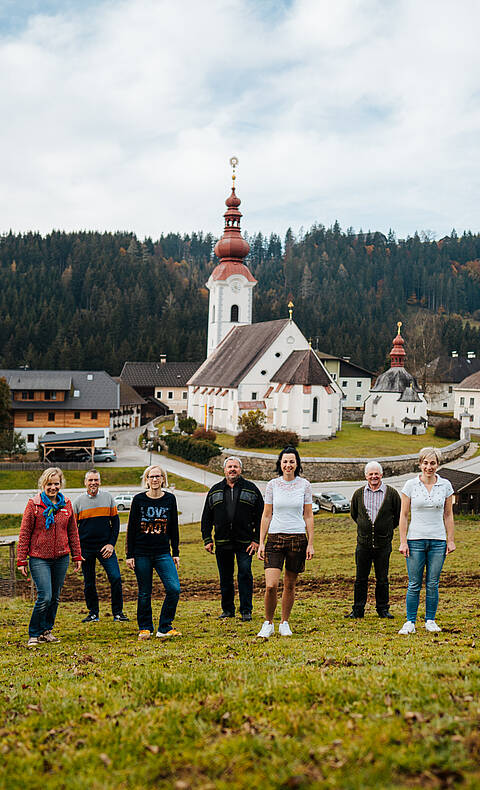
(231, 283)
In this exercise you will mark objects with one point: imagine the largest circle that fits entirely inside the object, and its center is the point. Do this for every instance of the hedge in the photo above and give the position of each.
(258, 437)
(192, 449)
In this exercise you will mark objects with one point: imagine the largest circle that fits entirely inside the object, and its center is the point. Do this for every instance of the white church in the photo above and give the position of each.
(268, 366)
(396, 402)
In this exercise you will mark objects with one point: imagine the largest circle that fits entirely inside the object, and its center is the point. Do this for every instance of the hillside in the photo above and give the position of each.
(76, 300)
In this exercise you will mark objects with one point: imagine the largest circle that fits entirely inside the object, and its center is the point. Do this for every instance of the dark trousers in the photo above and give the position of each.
(226, 565)
(164, 565)
(364, 557)
(113, 573)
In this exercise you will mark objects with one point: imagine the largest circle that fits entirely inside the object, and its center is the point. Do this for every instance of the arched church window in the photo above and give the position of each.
(234, 313)
(315, 410)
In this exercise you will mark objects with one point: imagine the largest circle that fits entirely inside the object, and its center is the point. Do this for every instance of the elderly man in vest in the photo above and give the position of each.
(375, 508)
(233, 508)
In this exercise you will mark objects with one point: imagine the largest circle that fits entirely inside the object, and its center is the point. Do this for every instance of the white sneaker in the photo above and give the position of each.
(407, 628)
(266, 630)
(284, 629)
(430, 625)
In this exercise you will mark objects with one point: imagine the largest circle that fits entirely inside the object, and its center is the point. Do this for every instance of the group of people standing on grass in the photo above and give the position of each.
(279, 530)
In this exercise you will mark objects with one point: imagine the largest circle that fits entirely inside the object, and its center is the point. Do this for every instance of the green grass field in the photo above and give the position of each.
(353, 441)
(341, 704)
(111, 476)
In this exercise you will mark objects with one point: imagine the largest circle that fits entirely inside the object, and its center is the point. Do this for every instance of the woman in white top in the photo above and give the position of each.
(288, 520)
(429, 499)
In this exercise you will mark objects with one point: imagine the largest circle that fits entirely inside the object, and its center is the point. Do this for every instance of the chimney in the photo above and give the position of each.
(163, 359)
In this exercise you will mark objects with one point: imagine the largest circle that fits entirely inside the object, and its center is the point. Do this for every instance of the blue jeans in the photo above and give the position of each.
(225, 556)
(429, 554)
(48, 577)
(165, 567)
(113, 573)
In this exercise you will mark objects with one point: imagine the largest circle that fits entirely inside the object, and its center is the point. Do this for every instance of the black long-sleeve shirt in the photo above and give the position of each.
(152, 526)
(234, 513)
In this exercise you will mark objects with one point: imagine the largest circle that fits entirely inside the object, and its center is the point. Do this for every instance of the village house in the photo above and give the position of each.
(61, 401)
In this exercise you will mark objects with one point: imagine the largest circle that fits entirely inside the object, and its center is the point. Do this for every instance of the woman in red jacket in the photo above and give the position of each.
(47, 534)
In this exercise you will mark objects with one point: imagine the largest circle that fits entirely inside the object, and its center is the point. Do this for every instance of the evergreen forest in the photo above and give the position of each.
(94, 300)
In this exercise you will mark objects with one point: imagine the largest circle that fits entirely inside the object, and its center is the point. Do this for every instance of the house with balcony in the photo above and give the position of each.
(61, 402)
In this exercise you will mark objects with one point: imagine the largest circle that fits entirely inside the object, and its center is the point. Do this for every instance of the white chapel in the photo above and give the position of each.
(268, 366)
(396, 402)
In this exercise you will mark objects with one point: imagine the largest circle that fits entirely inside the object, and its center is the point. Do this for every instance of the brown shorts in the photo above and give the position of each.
(291, 549)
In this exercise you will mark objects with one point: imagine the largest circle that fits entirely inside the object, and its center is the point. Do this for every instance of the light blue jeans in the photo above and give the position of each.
(428, 554)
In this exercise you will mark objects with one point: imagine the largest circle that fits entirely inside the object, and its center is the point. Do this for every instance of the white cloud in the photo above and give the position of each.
(122, 115)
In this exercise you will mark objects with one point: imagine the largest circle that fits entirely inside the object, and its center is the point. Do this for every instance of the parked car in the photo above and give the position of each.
(334, 502)
(100, 455)
(123, 501)
(315, 507)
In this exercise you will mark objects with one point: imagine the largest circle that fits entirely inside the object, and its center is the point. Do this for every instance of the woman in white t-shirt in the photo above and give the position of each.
(288, 520)
(429, 499)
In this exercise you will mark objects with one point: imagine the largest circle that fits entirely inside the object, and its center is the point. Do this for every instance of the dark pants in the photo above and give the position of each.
(167, 571)
(363, 559)
(48, 577)
(90, 589)
(226, 564)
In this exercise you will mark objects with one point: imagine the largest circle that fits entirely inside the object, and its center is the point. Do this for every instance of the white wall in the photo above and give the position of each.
(467, 400)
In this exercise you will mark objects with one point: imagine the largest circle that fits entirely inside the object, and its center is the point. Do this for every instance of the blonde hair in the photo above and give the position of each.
(48, 473)
(426, 452)
(147, 471)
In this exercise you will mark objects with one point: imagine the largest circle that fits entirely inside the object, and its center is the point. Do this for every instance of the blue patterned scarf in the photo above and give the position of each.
(51, 507)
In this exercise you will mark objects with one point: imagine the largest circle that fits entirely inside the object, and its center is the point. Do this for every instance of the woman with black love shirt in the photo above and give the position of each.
(152, 543)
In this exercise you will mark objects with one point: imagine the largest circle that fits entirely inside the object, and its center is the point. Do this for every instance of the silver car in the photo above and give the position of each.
(123, 501)
(332, 501)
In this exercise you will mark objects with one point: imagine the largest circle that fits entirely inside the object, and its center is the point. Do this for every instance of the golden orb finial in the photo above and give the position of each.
(233, 162)
(290, 309)
(399, 324)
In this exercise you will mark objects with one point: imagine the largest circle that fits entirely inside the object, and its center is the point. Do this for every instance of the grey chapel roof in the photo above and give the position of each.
(237, 354)
(96, 389)
(395, 379)
(158, 374)
(301, 367)
(409, 395)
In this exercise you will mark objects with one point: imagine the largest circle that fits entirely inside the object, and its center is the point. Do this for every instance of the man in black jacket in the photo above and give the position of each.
(375, 508)
(234, 508)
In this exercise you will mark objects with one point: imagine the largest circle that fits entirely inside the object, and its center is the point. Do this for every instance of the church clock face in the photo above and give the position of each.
(235, 286)
(290, 339)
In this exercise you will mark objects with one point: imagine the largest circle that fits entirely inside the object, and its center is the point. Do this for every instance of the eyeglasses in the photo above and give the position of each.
(154, 477)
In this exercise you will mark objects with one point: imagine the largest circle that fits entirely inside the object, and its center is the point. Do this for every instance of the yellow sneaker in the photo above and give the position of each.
(144, 635)
(168, 634)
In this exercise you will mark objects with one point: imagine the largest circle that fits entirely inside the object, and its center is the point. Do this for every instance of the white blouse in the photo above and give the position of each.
(288, 498)
(427, 508)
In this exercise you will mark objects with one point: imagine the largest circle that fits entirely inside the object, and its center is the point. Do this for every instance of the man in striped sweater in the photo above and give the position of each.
(375, 508)
(98, 527)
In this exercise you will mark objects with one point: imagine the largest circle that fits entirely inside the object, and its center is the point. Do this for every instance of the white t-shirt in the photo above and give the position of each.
(288, 498)
(426, 508)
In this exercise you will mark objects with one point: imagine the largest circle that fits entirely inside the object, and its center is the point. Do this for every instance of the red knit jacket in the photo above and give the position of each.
(48, 544)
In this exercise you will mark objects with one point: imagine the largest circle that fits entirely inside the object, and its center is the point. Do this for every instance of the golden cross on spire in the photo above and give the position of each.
(399, 324)
(233, 162)
(290, 309)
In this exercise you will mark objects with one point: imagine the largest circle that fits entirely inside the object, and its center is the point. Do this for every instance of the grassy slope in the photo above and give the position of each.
(353, 441)
(340, 704)
(111, 476)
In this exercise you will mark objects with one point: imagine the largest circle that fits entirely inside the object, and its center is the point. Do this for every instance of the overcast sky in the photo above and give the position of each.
(122, 115)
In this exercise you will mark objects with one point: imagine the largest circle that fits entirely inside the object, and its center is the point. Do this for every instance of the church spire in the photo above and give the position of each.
(397, 354)
(232, 248)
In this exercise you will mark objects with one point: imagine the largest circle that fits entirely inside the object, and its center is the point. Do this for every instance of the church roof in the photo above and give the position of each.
(228, 269)
(301, 367)
(409, 395)
(237, 354)
(396, 379)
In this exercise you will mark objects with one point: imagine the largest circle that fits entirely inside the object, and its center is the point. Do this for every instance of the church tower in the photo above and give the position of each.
(231, 283)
